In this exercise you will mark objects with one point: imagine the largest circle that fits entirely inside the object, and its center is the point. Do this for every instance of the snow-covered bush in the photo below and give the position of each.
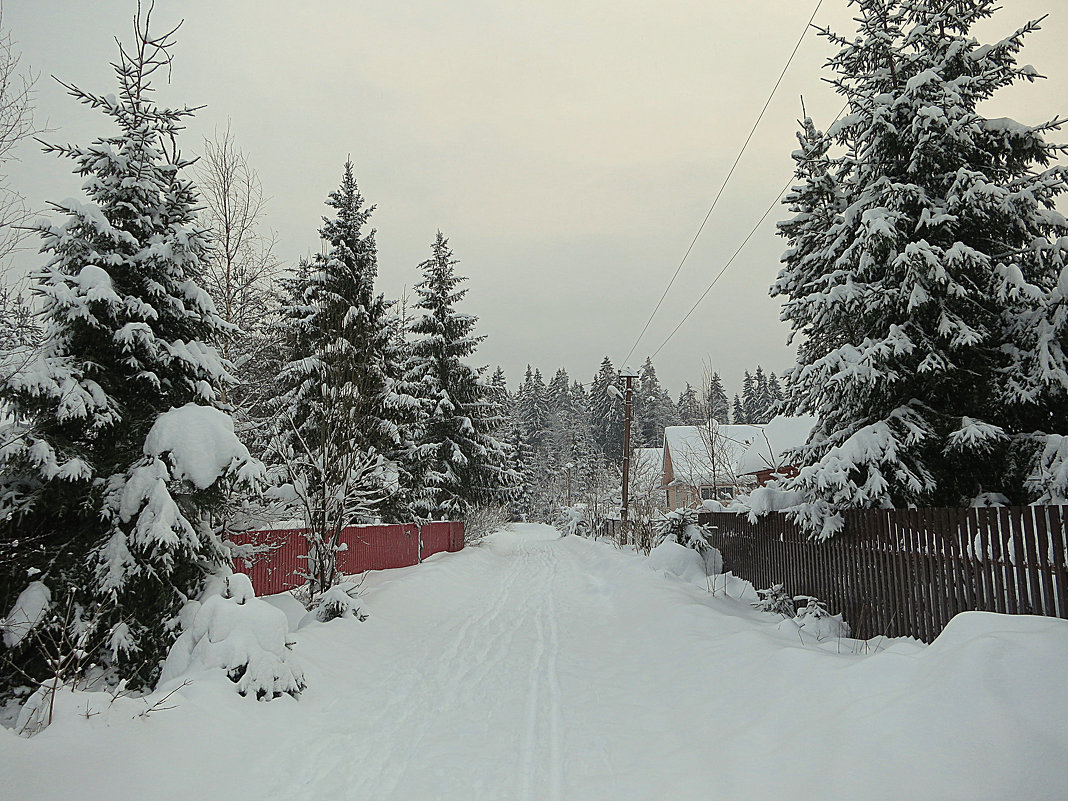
(814, 618)
(482, 520)
(807, 611)
(573, 520)
(338, 601)
(243, 635)
(776, 601)
(681, 526)
(678, 560)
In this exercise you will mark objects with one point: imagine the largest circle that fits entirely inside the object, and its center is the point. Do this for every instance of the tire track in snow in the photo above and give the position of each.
(362, 764)
(544, 683)
(530, 729)
(556, 750)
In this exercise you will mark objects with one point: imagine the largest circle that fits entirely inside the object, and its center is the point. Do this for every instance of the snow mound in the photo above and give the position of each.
(243, 635)
(29, 609)
(202, 446)
(292, 608)
(678, 560)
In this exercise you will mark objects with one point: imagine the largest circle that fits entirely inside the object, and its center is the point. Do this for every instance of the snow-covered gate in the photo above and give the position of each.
(280, 563)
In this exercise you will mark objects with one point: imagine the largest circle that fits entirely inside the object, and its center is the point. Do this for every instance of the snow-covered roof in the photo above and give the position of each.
(779, 436)
(698, 457)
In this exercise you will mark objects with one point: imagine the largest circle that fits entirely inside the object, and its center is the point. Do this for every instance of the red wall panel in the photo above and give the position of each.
(281, 562)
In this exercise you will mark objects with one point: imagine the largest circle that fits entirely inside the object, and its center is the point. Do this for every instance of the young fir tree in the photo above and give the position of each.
(462, 463)
(606, 413)
(926, 275)
(716, 404)
(532, 408)
(690, 407)
(738, 413)
(92, 477)
(750, 402)
(340, 427)
(653, 408)
(499, 383)
(774, 393)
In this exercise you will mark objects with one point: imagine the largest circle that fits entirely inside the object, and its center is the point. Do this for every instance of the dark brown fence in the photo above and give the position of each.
(908, 571)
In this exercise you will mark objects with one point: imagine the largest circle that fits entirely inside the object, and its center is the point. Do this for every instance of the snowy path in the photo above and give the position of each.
(533, 667)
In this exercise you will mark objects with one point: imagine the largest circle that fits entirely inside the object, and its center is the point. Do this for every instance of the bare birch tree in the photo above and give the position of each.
(242, 265)
(16, 125)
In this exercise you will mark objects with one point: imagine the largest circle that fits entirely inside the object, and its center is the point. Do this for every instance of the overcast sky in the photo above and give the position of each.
(569, 149)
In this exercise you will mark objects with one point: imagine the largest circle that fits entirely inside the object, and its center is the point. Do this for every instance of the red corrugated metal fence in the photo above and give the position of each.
(275, 560)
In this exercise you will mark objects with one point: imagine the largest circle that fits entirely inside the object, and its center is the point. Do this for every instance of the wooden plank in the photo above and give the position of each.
(868, 579)
(954, 566)
(930, 611)
(940, 586)
(930, 600)
(864, 597)
(983, 598)
(967, 566)
(1030, 537)
(884, 563)
(919, 577)
(1016, 589)
(996, 548)
(930, 589)
(895, 575)
(903, 572)
(871, 586)
(1044, 563)
(1059, 567)
(907, 540)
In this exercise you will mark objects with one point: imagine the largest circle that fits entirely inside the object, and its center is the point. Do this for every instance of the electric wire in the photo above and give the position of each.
(726, 180)
(730, 261)
(741, 247)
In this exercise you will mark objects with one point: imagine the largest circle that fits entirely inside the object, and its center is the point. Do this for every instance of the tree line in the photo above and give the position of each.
(565, 437)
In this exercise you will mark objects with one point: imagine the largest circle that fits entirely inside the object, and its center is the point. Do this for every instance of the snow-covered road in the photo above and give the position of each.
(533, 667)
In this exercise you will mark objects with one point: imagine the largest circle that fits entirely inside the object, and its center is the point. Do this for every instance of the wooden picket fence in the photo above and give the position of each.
(907, 572)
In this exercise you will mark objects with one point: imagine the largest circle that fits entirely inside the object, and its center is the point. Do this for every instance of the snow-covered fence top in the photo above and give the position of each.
(276, 560)
(907, 572)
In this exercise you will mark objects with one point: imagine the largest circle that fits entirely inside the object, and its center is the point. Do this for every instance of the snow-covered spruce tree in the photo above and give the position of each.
(462, 464)
(716, 405)
(653, 408)
(606, 412)
(339, 423)
(926, 275)
(116, 453)
(689, 407)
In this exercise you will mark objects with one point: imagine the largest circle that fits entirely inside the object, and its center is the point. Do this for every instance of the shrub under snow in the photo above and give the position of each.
(243, 635)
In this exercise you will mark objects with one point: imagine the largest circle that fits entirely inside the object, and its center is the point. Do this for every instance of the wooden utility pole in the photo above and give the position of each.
(628, 376)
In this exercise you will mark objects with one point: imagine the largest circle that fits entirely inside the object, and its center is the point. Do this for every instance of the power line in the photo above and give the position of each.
(730, 261)
(726, 180)
(741, 247)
